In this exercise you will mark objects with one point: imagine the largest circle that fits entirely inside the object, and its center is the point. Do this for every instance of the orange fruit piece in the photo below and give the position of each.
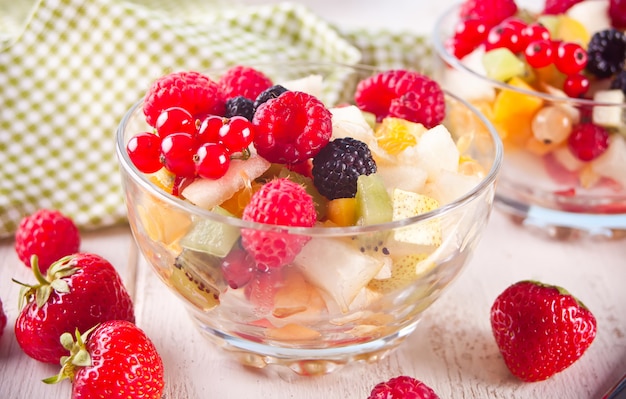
(395, 134)
(342, 211)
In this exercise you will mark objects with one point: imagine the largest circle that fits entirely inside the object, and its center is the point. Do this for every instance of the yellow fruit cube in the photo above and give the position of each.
(342, 211)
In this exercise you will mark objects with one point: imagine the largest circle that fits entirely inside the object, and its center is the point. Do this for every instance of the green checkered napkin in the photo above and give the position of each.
(69, 70)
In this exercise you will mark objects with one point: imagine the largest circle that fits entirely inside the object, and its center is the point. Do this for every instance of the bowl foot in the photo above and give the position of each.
(304, 361)
(563, 225)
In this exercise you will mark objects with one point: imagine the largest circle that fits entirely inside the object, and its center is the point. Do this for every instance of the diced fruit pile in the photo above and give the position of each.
(569, 50)
(273, 153)
(81, 295)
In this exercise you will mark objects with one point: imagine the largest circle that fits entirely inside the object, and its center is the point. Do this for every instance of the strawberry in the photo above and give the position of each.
(78, 291)
(114, 360)
(402, 387)
(47, 233)
(3, 319)
(280, 202)
(540, 329)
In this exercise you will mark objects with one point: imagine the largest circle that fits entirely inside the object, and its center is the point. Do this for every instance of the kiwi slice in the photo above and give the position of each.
(212, 237)
(195, 276)
(373, 204)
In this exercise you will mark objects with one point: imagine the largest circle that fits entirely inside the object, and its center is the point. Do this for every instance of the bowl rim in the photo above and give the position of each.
(140, 178)
(439, 45)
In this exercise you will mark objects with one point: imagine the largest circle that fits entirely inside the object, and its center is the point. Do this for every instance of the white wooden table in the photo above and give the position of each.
(452, 350)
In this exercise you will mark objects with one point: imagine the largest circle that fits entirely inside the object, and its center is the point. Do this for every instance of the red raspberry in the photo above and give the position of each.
(402, 94)
(190, 90)
(3, 319)
(243, 81)
(492, 12)
(48, 234)
(402, 387)
(555, 7)
(280, 202)
(291, 128)
(617, 13)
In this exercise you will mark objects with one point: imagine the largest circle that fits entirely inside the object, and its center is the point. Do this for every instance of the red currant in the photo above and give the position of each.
(144, 150)
(177, 154)
(237, 134)
(576, 85)
(175, 120)
(533, 32)
(209, 129)
(211, 161)
(469, 33)
(538, 53)
(588, 141)
(507, 34)
(238, 268)
(570, 58)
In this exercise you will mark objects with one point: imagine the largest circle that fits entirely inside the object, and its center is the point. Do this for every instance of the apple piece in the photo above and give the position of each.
(404, 271)
(338, 268)
(311, 84)
(208, 193)
(593, 15)
(611, 163)
(611, 116)
(435, 151)
(450, 186)
(464, 84)
(565, 158)
(407, 204)
(404, 177)
(212, 237)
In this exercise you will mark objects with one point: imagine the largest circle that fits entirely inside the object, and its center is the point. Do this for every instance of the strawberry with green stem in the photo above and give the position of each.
(114, 360)
(78, 291)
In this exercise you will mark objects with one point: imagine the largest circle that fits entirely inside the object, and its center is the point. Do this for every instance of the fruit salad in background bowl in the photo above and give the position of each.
(551, 78)
(306, 214)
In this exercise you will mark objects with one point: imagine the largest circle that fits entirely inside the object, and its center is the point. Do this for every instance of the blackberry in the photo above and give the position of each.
(239, 106)
(272, 92)
(339, 164)
(606, 53)
(619, 82)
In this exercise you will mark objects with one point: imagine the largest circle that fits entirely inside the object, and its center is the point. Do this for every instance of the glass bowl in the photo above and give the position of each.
(352, 293)
(542, 185)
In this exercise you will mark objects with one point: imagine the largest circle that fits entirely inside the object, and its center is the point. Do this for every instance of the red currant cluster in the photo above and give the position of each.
(532, 41)
(188, 147)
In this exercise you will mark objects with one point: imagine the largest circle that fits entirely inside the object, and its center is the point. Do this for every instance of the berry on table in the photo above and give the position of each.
(78, 291)
(47, 233)
(291, 128)
(588, 141)
(3, 319)
(243, 81)
(338, 165)
(190, 90)
(279, 202)
(540, 329)
(606, 53)
(402, 387)
(115, 359)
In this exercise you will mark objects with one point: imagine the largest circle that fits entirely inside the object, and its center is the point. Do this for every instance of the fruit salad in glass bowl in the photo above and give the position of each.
(306, 214)
(551, 78)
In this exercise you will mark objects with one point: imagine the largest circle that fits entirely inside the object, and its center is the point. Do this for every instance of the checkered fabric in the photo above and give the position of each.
(69, 70)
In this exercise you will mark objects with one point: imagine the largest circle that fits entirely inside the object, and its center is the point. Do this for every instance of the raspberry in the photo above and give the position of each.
(239, 106)
(243, 81)
(402, 387)
(337, 167)
(402, 94)
(491, 12)
(617, 13)
(280, 202)
(48, 234)
(291, 128)
(588, 141)
(619, 82)
(606, 53)
(555, 7)
(190, 90)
